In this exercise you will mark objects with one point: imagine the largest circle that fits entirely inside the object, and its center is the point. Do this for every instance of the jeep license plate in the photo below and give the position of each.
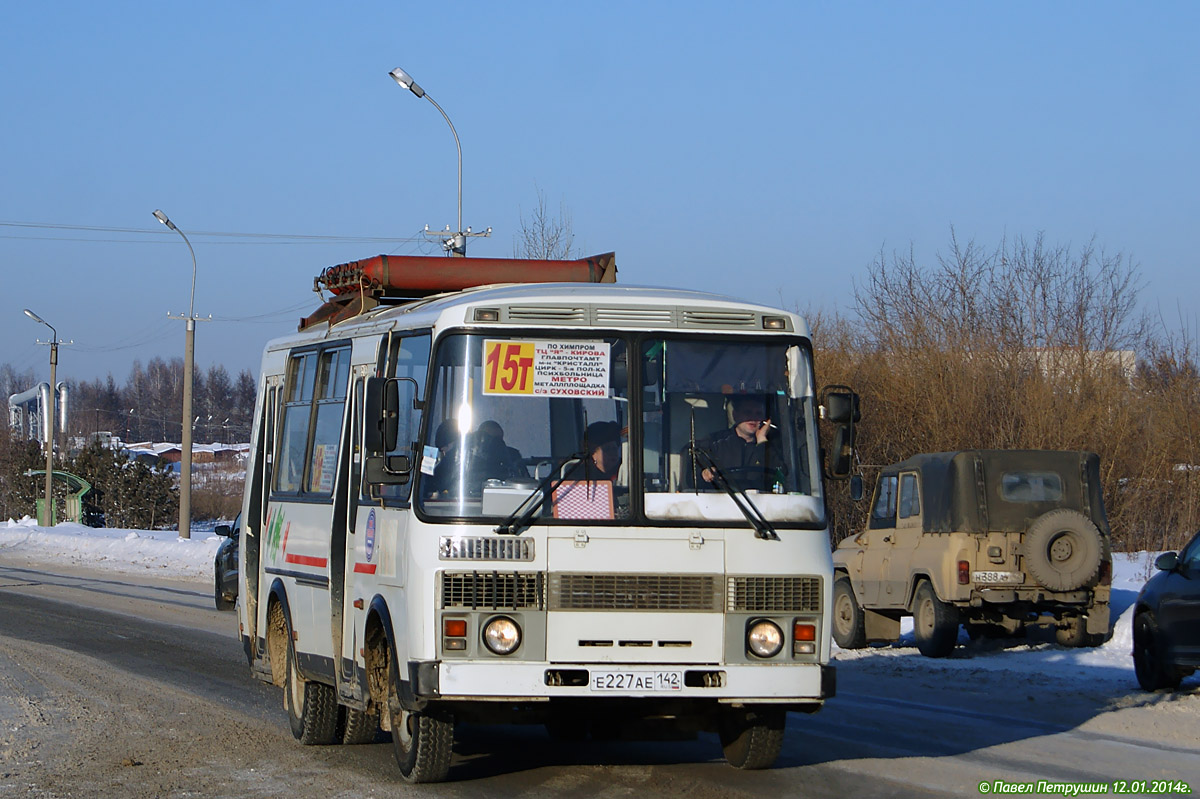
(637, 681)
(998, 577)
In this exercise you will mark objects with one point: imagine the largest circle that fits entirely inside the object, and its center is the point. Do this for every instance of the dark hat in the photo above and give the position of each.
(601, 433)
(446, 434)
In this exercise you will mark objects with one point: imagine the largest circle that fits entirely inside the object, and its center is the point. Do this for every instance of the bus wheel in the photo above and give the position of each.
(422, 741)
(357, 726)
(752, 738)
(312, 707)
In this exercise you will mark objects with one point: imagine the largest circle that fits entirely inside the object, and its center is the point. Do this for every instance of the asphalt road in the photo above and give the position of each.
(112, 686)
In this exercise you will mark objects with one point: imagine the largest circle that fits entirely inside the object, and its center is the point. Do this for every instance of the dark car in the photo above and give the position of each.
(225, 567)
(1166, 621)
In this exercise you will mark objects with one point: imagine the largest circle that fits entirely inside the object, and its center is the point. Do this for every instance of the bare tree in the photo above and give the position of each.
(543, 235)
(1026, 345)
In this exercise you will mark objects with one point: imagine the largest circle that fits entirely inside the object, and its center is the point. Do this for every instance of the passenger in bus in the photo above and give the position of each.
(492, 456)
(745, 453)
(486, 456)
(446, 439)
(603, 444)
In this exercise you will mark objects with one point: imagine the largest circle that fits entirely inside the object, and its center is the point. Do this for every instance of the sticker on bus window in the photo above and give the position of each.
(429, 459)
(546, 368)
(324, 466)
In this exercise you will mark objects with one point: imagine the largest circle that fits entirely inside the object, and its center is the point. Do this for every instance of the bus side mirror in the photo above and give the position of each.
(840, 405)
(381, 422)
(388, 422)
(842, 456)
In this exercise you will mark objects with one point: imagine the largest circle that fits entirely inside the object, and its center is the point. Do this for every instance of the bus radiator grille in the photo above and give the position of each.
(494, 590)
(661, 592)
(774, 594)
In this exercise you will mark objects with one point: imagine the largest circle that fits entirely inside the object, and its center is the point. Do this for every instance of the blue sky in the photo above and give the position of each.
(764, 150)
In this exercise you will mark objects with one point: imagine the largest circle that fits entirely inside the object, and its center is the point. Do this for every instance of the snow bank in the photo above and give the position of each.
(160, 552)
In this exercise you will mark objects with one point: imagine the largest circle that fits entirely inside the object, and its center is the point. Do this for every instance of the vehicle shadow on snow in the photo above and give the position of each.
(988, 692)
(485, 751)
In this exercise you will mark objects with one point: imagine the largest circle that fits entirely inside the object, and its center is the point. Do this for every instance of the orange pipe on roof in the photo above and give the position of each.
(422, 275)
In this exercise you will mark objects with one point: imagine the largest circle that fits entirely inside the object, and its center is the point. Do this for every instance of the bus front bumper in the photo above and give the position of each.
(809, 683)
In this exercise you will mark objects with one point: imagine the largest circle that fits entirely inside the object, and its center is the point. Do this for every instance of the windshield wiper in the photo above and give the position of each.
(762, 528)
(519, 519)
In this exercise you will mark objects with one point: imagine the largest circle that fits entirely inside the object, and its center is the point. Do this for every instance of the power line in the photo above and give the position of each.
(272, 237)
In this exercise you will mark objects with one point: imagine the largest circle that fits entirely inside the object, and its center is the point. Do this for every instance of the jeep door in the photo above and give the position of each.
(876, 543)
(909, 552)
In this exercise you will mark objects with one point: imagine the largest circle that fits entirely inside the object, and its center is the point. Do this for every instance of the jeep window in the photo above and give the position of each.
(1031, 487)
(884, 512)
(910, 497)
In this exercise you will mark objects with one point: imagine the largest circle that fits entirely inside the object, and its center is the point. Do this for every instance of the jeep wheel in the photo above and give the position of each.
(1149, 656)
(1063, 550)
(1075, 634)
(848, 629)
(935, 624)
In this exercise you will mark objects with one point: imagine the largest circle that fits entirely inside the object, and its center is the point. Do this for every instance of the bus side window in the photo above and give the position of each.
(297, 408)
(333, 375)
(409, 357)
(314, 399)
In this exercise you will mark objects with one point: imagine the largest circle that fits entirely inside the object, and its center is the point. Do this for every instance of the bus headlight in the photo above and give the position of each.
(502, 635)
(764, 639)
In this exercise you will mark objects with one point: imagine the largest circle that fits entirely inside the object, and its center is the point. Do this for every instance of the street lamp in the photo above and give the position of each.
(47, 519)
(458, 242)
(185, 446)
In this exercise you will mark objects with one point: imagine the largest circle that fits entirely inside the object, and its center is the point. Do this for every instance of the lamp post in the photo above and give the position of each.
(47, 519)
(189, 351)
(457, 243)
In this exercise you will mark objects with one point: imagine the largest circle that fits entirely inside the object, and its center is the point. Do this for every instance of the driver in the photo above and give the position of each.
(744, 452)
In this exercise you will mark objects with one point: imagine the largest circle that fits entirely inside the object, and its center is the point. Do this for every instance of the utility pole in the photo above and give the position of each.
(47, 519)
(189, 359)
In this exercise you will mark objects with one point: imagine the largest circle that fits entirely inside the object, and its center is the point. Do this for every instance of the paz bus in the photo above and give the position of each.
(502, 491)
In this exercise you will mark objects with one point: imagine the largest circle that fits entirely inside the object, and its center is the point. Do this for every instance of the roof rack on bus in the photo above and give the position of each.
(359, 286)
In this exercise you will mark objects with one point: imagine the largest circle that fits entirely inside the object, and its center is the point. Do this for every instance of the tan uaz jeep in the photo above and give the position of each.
(993, 539)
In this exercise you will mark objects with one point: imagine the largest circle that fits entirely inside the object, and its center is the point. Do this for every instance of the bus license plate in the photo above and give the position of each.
(635, 681)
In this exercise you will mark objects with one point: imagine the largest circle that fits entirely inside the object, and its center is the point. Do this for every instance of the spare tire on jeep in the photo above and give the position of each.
(1063, 550)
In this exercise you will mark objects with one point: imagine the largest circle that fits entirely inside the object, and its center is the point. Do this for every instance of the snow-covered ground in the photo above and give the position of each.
(159, 553)
(1039, 654)
(164, 554)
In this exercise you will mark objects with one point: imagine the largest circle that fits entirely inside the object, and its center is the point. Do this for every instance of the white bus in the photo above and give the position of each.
(537, 503)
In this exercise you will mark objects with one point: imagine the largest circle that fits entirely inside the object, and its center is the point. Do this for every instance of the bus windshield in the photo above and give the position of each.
(510, 417)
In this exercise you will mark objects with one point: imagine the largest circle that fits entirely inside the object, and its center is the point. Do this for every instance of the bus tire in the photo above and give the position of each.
(422, 741)
(752, 738)
(357, 726)
(312, 707)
